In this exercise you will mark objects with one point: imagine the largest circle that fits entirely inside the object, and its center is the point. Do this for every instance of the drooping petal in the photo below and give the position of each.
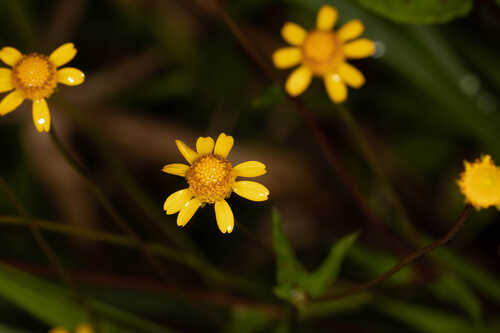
(298, 81)
(223, 145)
(205, 145)
(10, 102)
(70, 76)
(250, 169)
(287, 57)
(41, 115)
(84, 328)
(360, 48)
(293, 33)
(327, 17)
(10, 55)
(177, 169)
(187, 212)
(176, 201)
(5, 80)
(189, 154)
(350, 30)
(224, 216)
(336, 89)
(63, 54)
(351, 75)
(251, 190)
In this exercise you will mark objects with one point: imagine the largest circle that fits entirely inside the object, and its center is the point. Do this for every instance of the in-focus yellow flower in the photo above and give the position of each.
(480, 183)
(82, 328)
(35, 76)
(323, 52)
(212, 179)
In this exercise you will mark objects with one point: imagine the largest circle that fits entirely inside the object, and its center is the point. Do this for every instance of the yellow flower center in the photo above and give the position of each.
(322, 52)
(480, 184)
(210, 178)
(34, 76)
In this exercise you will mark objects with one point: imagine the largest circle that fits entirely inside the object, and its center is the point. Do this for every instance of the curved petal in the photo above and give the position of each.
(250, 169)
(10, 102)
(5, 80)
(63, 54)
(287, 57)
(351, 75)
(84, 328)
(224, 216)
(223, 145)
(293, 33)
(350, 30)
(336, 89)
(177, 169)
(189, 154)
(10, 55)
(360, 48)
(205, 145)
(298, 81)
(188, 211)
(176, 201)
(251, 190)
(70, 76)
(41, 115)
(327, 17)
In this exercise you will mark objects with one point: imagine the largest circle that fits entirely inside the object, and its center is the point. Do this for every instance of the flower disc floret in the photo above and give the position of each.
(34, 76)
(322, 52)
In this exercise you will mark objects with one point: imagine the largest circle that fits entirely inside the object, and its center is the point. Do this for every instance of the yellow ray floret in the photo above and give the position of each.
(323, 52)
(212, 179)
(480, 183)
(35, 77)
(82, 328)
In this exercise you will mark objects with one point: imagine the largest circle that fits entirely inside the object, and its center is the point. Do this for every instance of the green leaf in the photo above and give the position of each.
(419, 11)
(246, 320)
(57, 307)
(451, 289)
(328, 308)
(270, 97)
(317, 282)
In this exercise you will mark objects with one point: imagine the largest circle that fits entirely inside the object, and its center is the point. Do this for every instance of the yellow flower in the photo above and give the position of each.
(35, 76)
(82, 328)
(480, 183)
(211, 179)
(323, 52)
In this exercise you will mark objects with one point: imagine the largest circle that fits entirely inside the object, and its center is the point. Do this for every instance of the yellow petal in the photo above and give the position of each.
(63, 54)
(5, 80)
(10, 55)
(293, 33)
(335, 87)
(70, 76)
(350, 30)
(176, 201)
(351, 75)
(10, 102)
(189, 154)
(187, 212)
(84, 328)
(298, 81)
(41, 115)
(224, 216)
(205, 145)
(177, 169)
(327, 17)
(251, 190)
(287, 57)
(360, 48)
(223, 145)
(58, 330)
(250, 169)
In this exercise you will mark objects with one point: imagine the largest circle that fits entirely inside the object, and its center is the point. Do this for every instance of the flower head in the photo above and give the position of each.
(480, 183)
(35, 76)
(323, 52)
(212, 179)
(82, 328)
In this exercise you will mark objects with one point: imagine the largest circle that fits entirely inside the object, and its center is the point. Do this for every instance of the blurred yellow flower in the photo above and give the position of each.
(480, 183)
(35, 76)
(212, 179)
(82, 328)
(323, 52)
